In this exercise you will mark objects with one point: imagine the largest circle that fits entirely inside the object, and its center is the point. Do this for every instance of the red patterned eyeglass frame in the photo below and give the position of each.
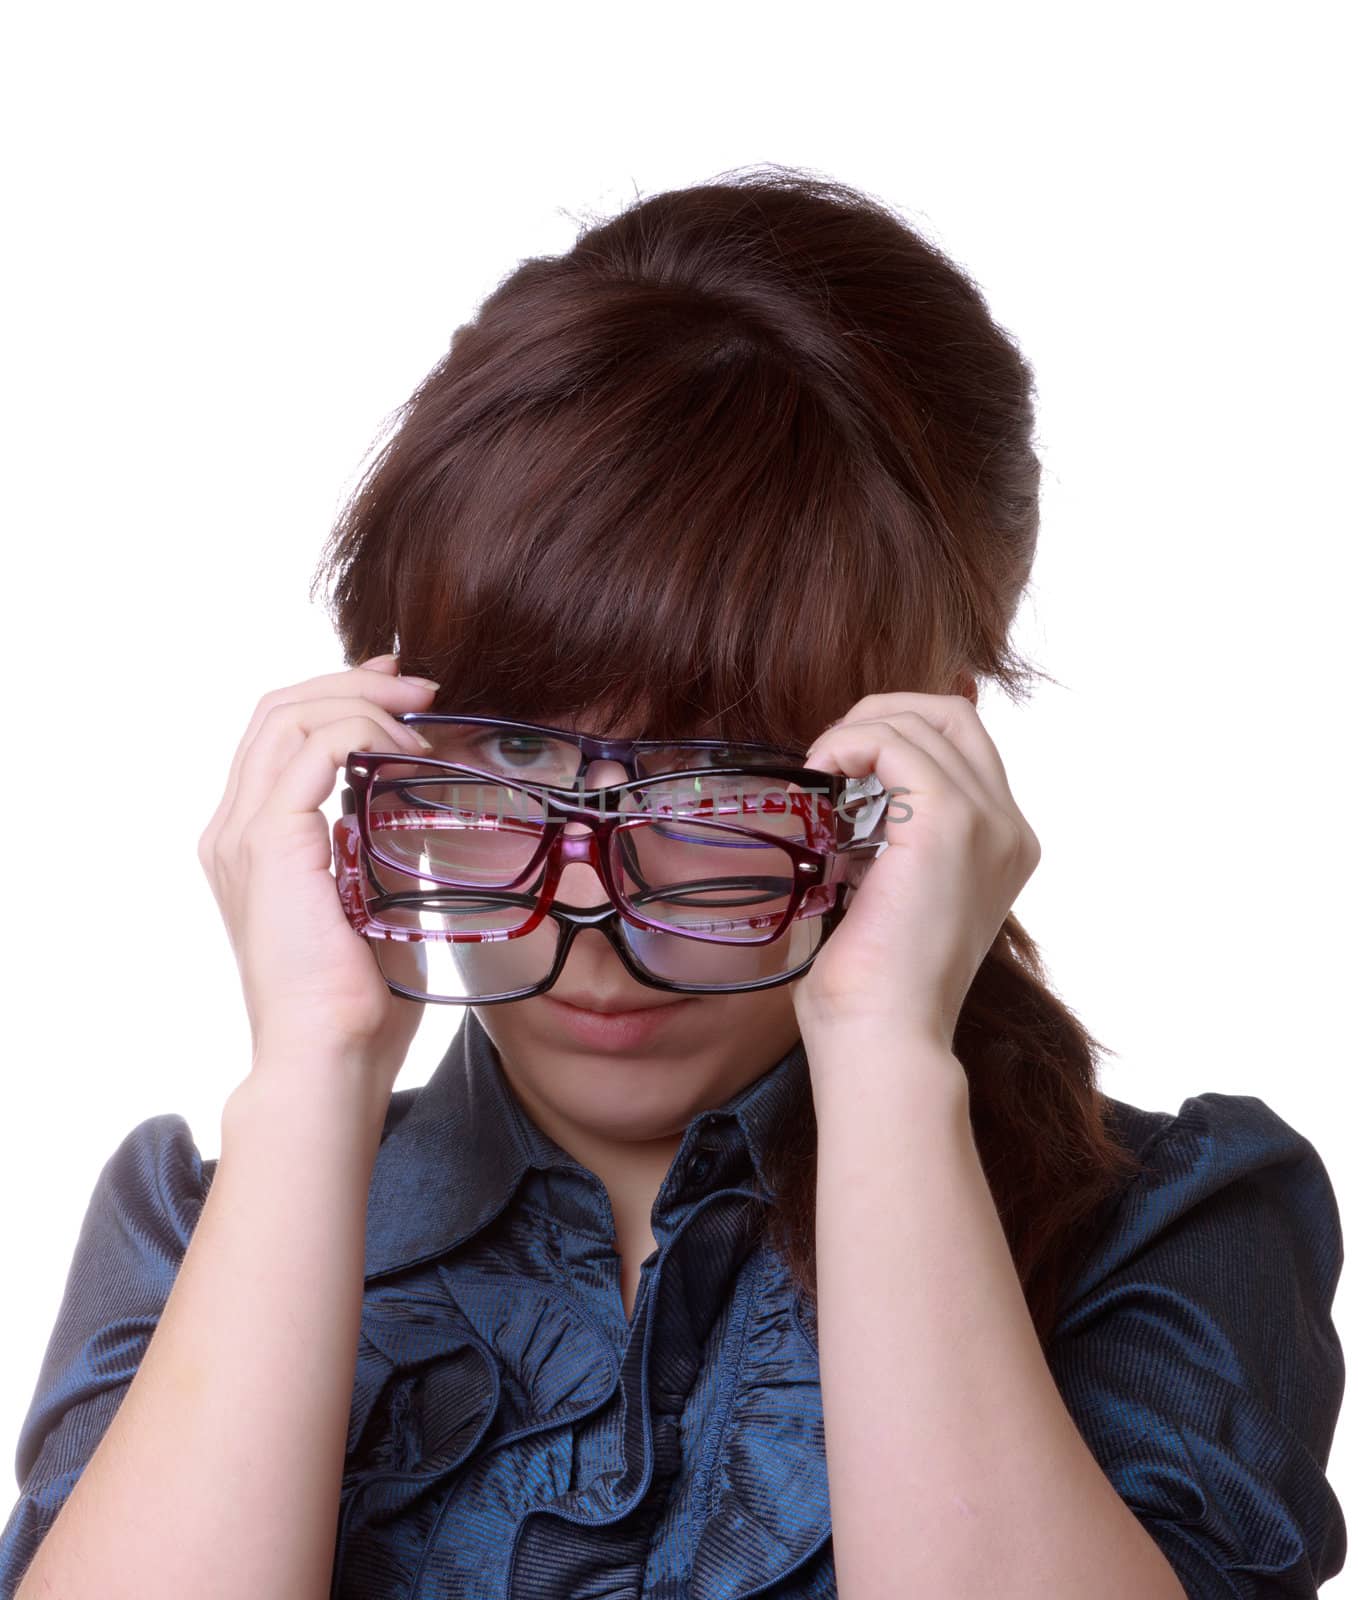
(840, 853)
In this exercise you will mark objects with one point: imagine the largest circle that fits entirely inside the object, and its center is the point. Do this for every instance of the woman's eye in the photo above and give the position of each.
(682, 757)
(518, 750)
(731, 755)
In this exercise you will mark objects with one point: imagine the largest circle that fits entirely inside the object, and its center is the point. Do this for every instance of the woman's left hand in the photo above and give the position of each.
(929, 907)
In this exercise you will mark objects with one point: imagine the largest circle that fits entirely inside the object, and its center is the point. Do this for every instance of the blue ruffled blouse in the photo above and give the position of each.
(513, 1434)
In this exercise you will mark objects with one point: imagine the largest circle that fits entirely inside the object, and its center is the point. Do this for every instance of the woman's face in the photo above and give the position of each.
(645, 1074)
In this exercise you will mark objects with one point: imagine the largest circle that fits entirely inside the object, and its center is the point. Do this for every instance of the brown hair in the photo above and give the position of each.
(745, 453)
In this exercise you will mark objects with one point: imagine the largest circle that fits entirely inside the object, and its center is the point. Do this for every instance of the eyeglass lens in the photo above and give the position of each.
(727, 878)
(527, 756)
(439, 969)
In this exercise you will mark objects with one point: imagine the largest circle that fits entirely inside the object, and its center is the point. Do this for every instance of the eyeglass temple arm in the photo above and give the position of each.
(852, 859)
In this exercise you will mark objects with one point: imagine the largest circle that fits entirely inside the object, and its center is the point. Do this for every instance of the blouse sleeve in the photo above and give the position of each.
(1197, 1355)
(137, 1226)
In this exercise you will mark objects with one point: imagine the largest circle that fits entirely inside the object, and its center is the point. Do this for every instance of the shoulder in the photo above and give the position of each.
(1225, 1166)
(1197, 1352)
(1223, 1255)
(150, 1191)
(140, 1216)
(1224, 1125)
(158, 1170)
(155, 1182)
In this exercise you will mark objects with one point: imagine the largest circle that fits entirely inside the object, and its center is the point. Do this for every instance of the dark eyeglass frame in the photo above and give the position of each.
(352, 861)
(626, 752)
(840, 854)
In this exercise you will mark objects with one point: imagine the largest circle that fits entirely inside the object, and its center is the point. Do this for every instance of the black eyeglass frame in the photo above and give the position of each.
(352, 859)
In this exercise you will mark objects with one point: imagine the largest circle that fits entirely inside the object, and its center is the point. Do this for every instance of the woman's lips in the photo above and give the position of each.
(615, 1030)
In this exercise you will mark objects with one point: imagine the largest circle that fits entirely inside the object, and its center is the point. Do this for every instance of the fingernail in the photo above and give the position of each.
(376, 661)
(423, 683)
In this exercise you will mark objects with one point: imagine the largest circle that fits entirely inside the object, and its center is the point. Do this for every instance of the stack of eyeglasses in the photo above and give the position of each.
(726, 866)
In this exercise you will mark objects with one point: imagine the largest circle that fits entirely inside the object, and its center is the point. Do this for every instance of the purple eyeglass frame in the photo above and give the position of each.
(623, 751)
(839, 853)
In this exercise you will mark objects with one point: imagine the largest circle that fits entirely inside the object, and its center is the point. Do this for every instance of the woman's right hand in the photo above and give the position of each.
(312, 986)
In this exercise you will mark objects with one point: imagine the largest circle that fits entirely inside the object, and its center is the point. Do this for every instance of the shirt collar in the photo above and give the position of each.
(454, 1151)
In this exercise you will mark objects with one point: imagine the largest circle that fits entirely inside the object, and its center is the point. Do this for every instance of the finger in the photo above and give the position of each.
(953, 716)
(381, 685)
(382, 668)
(284, 730)
(308, 774)
(372, 680)
(855, 747)
(900, 764)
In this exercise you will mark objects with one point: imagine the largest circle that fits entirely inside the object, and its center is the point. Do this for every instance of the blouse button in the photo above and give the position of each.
(700, 1165)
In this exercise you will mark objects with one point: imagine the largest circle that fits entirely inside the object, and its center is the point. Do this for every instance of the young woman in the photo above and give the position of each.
(642, 1303)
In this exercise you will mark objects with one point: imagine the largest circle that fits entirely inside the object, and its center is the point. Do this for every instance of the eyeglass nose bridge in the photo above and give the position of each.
(583, 848)
(578, 847)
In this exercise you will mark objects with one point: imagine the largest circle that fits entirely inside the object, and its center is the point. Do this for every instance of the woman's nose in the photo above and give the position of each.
(580, 885)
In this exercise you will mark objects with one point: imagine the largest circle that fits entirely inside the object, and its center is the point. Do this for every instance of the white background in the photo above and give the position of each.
(239, 236)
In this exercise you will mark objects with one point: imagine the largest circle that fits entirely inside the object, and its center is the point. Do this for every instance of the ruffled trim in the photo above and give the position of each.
(771, 1510)
(468, 1383)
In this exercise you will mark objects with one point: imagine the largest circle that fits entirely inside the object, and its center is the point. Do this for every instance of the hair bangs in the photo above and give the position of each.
(679, 549)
